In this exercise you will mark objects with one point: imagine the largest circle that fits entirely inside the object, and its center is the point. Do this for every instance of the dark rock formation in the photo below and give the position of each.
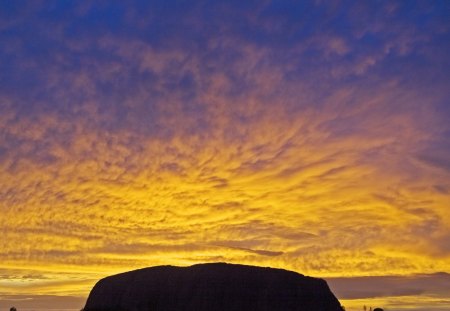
(211, 287)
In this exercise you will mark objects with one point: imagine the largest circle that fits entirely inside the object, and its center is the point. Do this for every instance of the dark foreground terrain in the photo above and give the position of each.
(211, 287)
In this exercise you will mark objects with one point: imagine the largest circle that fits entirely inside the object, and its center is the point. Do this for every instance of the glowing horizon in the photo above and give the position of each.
(310, 137)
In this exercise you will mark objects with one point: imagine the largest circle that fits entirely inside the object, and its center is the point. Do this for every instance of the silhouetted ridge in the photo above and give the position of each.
(211, 287)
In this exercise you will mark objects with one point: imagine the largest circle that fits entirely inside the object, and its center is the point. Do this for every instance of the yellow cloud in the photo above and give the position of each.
(274, 174)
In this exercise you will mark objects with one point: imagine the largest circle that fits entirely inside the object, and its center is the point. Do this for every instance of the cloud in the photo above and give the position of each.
(258, 251)
(300, 136)
(436, 162)
(390, 286)
(239, 245)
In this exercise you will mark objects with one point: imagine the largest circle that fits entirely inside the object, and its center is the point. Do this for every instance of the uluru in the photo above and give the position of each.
(211, 287)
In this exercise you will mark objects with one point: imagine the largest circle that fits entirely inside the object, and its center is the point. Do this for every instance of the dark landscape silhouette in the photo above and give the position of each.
(212, 287)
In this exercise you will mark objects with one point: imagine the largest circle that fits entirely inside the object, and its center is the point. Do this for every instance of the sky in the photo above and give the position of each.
(312, 136)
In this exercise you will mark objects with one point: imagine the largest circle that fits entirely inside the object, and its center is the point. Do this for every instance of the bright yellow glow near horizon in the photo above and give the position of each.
(286, 194)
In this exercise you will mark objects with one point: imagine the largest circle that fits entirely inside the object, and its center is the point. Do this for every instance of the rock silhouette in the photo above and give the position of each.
(211, 287)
